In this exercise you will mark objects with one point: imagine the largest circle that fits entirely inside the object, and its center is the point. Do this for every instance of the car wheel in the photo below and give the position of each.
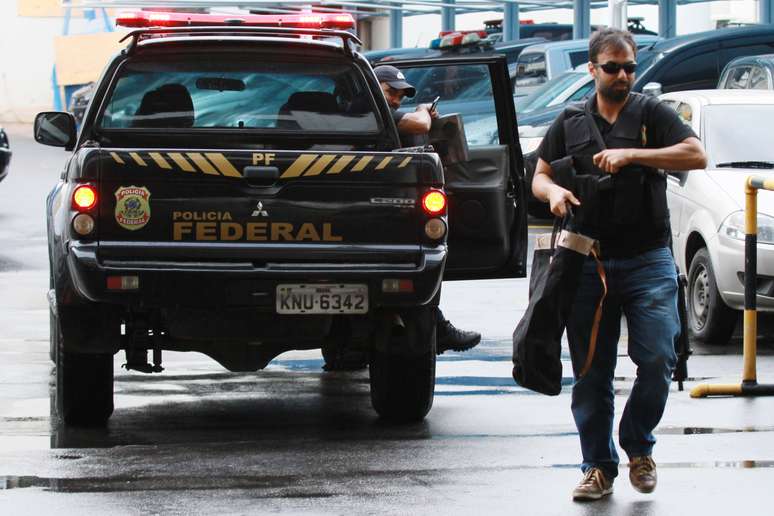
(84, 384)
(402, 374)
(710, 319)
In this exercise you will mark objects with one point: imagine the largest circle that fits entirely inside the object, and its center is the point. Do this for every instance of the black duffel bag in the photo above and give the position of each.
(557, 265)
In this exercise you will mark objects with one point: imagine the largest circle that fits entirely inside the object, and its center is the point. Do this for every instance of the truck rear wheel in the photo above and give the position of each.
(402, 368)
(84, 384)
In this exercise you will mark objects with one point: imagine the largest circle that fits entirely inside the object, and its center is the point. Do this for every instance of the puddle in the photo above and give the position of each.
(698, 430)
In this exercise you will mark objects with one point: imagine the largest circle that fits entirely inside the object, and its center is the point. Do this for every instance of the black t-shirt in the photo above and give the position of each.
(662, 128)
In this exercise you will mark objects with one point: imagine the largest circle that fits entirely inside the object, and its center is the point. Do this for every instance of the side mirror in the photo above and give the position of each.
(652, 88)
(55, 128)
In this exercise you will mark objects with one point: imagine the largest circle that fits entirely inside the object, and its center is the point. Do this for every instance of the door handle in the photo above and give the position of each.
(261, 176)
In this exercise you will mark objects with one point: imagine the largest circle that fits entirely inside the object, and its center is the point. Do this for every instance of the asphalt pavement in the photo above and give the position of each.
(292, 438)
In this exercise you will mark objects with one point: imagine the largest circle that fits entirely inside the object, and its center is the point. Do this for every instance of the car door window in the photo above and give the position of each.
(463, 88)
(699, 71)
(737, 78)
(578, 58)
(758, 79)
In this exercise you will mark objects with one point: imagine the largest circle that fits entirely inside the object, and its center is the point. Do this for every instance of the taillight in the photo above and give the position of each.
(84, 198)
(434, 202)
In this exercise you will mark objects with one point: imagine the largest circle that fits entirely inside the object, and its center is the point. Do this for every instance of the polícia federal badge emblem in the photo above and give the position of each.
(132, 207)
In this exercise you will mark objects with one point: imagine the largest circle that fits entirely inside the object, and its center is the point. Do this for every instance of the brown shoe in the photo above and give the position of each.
(594, 486)
(642, 473)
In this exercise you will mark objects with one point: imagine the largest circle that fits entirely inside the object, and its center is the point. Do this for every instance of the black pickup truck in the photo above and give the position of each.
(242, 192)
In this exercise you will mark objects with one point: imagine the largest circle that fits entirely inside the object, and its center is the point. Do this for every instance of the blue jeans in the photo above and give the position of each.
(644, 289)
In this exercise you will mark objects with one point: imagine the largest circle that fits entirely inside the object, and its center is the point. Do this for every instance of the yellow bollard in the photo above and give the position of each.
(749, 385)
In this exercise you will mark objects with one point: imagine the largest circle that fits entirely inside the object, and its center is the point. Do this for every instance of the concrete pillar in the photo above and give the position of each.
(510, 21)
(448, 15)
(667, 18)
(581, 19)
(396, 28)
(766, 11)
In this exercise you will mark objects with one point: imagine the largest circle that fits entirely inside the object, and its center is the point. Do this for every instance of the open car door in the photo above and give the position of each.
(487, 201)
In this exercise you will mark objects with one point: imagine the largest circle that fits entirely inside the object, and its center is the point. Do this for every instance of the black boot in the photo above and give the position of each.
(451, 337)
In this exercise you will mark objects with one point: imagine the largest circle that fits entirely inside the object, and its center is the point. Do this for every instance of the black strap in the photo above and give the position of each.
(594, 129)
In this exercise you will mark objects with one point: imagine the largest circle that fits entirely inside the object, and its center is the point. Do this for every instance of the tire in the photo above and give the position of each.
(84, 384)
(710, 320)
(402, 374)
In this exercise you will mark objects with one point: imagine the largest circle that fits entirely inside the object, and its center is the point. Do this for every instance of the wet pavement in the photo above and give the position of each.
(196, 439)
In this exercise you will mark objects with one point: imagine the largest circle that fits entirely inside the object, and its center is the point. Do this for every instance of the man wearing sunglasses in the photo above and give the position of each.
(630, 220)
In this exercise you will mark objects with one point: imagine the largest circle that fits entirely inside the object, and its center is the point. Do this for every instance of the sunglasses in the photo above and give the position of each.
(614, 68)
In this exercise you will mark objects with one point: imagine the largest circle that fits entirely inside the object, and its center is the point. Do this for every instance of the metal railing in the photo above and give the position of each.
(749, 385)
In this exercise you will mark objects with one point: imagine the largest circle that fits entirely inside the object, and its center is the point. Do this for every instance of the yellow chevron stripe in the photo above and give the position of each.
(137, 159)
(364, 161)
(202, 163)
(223, 165)
(298, 166)
(404, 162)
(117, 158)
(383, 163)
(320, 165)
(160, 161)
(181, 162)
(340, 164)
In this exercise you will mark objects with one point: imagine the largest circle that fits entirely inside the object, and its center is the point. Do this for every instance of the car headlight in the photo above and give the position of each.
(733, 227)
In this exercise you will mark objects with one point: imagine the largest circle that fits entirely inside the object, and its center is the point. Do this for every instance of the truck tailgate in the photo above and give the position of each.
(328, 200)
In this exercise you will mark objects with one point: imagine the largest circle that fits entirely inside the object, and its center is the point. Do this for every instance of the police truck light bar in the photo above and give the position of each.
(147, 19)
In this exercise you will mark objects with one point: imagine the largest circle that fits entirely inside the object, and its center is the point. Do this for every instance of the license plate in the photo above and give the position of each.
(322, 299)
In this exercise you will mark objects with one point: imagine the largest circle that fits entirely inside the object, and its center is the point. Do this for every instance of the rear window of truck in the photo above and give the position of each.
(194, 92)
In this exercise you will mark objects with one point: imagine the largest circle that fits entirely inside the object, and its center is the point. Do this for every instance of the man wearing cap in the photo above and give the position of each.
(413, 129)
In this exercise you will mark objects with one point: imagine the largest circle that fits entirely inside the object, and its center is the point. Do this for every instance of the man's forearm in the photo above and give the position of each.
(541, 186)
(685, 155)
(417, 122)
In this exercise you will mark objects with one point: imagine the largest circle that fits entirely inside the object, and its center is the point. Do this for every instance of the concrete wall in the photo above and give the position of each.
(27, 60)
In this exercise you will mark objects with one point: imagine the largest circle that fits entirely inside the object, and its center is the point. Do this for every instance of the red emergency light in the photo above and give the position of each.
(146, 19)
(481, 33)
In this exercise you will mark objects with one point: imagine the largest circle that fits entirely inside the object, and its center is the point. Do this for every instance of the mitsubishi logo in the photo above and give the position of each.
(259, 211)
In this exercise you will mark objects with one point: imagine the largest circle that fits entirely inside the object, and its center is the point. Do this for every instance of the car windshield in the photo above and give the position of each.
(725, 143)
(547, 93)
(190, 92)
(531, 69)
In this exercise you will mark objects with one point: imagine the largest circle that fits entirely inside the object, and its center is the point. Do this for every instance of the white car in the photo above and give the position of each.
(707, 206)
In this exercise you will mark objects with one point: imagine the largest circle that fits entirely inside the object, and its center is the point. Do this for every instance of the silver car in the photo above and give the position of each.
(707, 206)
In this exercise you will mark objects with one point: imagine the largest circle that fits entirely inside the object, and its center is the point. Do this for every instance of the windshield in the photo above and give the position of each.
(726, 143)
(530, 70)
(547, 93)
(190, 91)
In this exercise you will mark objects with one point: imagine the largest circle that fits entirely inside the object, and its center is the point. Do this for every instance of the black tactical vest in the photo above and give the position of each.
(636, 198)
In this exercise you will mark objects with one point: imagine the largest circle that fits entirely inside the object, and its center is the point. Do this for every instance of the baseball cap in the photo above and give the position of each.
(395, 78)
